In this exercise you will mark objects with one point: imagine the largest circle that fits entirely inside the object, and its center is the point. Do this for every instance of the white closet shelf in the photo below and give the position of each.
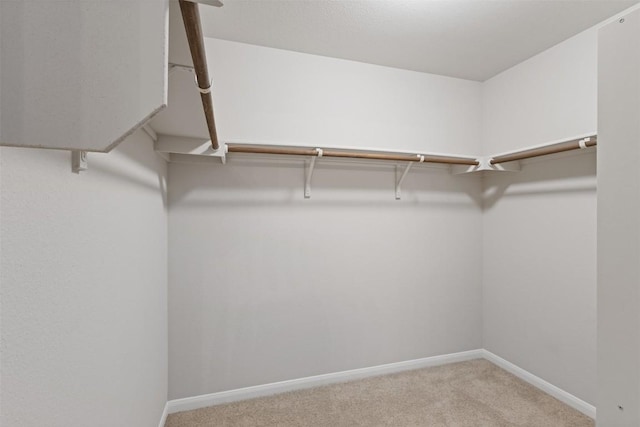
(200, 149)
(169, 144)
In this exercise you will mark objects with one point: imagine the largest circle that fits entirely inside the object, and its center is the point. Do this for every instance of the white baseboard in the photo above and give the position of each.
(212, 399)
(550, 389)
(165, 413)
(202, 401)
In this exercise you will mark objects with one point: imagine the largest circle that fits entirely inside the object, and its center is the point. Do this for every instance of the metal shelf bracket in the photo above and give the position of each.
(309, 173)
(79, 161)
(485, 165)
(403, 176)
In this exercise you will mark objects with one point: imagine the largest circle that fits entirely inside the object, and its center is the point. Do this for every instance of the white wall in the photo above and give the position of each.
(84, 299)
(539, 278)
(267, 286)
(70, 81)
(549, 97)
(540, 224)
(265, 95)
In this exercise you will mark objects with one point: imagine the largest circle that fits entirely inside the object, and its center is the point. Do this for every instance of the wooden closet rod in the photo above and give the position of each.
(236, 148)
(574, 144)
(191, 18)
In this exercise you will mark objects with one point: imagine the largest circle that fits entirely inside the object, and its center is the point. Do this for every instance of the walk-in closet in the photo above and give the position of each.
(319, 213)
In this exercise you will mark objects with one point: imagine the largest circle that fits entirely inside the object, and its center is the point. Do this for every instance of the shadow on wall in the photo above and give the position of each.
(561, 174)
(244, 182)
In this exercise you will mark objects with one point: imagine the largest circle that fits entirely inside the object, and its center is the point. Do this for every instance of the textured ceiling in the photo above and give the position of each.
(471, 39)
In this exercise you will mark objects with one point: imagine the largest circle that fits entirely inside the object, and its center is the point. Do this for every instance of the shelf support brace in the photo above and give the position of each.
(404, 174)
(79, 161)
(309, 173)
(484, 164)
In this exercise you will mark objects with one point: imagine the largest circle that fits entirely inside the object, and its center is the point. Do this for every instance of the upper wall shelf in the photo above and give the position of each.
(171, 146)
(197, 146)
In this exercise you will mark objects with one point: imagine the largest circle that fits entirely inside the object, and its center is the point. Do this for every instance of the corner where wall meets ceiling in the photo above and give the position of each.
(468, 39)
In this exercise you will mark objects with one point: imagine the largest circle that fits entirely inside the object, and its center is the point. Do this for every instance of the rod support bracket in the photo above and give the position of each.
(221, 153)
(401, 176)
(203, 90)
(309, 166)
(79, 161)
(583, 142)
(485, 165)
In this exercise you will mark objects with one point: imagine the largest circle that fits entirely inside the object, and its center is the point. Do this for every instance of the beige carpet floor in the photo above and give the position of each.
(475, 393)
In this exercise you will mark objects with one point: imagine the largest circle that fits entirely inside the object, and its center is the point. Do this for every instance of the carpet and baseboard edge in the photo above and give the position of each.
(563, 396)
(202, 401)
(165, 414)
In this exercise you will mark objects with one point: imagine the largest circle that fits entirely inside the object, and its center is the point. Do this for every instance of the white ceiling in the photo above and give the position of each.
(471, 39)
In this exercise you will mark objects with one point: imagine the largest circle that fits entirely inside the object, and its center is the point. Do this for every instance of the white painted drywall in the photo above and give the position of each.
(265, 95)
(539, 270)
(266, 286)
(618, 226)
(549, 97)
(70, 81)
(84, 279)
(470, 39)
(539, 225)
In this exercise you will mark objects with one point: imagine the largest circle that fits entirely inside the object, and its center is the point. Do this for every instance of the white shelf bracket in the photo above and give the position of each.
(149, 131)
(79, 161)
(309, 173)
(173, 67)
(403, 176)
(485, 165)
(221, 153)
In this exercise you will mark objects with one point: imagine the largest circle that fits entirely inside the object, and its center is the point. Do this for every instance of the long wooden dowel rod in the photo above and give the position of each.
(191, 18)
(543, 151)
(401, 157)
(235, 148)
(255, 149)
